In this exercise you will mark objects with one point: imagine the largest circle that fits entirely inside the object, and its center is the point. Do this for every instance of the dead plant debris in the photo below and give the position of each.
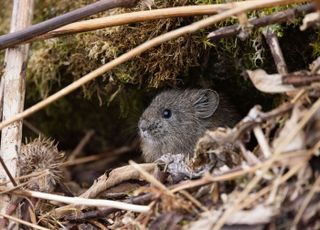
(262, 173)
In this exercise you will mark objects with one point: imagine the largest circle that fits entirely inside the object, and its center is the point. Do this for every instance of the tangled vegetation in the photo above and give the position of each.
(264, 167)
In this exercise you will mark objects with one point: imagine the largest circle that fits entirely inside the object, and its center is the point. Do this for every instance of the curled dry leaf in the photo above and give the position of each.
(217, 149)
(298, 143)
(312, 19)
(116, 177)
(177, 165)
(104, 182)
(269, 83)
(312, 130)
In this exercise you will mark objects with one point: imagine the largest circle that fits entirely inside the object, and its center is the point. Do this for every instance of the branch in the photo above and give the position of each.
(190, 29)
(102, 212)
(20, 36)
(133, 17)
(23, 222)
(278, 17)
(300, 79)
(79, 201)
(5, 168)
(276, 51)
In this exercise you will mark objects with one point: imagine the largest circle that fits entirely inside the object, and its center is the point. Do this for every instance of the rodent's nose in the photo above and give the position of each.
(142, 125)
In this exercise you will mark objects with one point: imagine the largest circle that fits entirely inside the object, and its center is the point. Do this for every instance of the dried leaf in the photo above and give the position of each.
(217, 149)
(268, 83)
(116, 177)
(312, 130)
(310, 20)
(298, 142)
(178, 168)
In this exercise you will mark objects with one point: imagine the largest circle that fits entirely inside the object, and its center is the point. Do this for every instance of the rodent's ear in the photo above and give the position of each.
(206, 103)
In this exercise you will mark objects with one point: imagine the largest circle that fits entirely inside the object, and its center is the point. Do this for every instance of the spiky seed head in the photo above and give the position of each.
(39, 155)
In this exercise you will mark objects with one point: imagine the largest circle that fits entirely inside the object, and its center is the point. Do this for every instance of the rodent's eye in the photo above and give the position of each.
(166, 113)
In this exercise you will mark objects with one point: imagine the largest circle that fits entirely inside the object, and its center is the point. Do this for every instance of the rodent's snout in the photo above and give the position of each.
(143, 128)
(142, 125)
(149, 129)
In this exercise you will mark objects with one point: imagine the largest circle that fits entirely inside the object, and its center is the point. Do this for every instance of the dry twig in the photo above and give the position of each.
(79, 201)
(20, 36)
(277, 152)
(307, 200)
(81, 145)
(278, 17)
(133, 17)
(150, 178)
(23, 222)
(276, 51)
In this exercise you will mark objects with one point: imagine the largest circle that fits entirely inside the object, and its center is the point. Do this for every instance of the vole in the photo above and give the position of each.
(176, 119)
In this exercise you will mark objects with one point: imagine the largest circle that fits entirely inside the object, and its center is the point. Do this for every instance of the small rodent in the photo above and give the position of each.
(176, 119)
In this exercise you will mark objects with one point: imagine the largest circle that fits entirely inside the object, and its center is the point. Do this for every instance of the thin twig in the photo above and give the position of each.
(84, 141)
(112, 155)
(7, 172)
(298, 96)
(150, 178)
(277, 152)
(23, 222)
(194, 200)
(312, 111)
(263, 143)
(33, 128)
(307, 200)
(141, 199)
(248, 156)
(276, 51)
(277, 17)
(25, 177)
(79, 201)
(144, 47)
(234, 173)
(25, 183)
(140, 16)
(247, 202)
(300, 79)
(275, 186)
(20, 36)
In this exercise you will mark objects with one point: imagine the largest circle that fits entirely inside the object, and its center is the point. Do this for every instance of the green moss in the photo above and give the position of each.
(58, 62)
(316, 45)
(64, 60)
(116, 99)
